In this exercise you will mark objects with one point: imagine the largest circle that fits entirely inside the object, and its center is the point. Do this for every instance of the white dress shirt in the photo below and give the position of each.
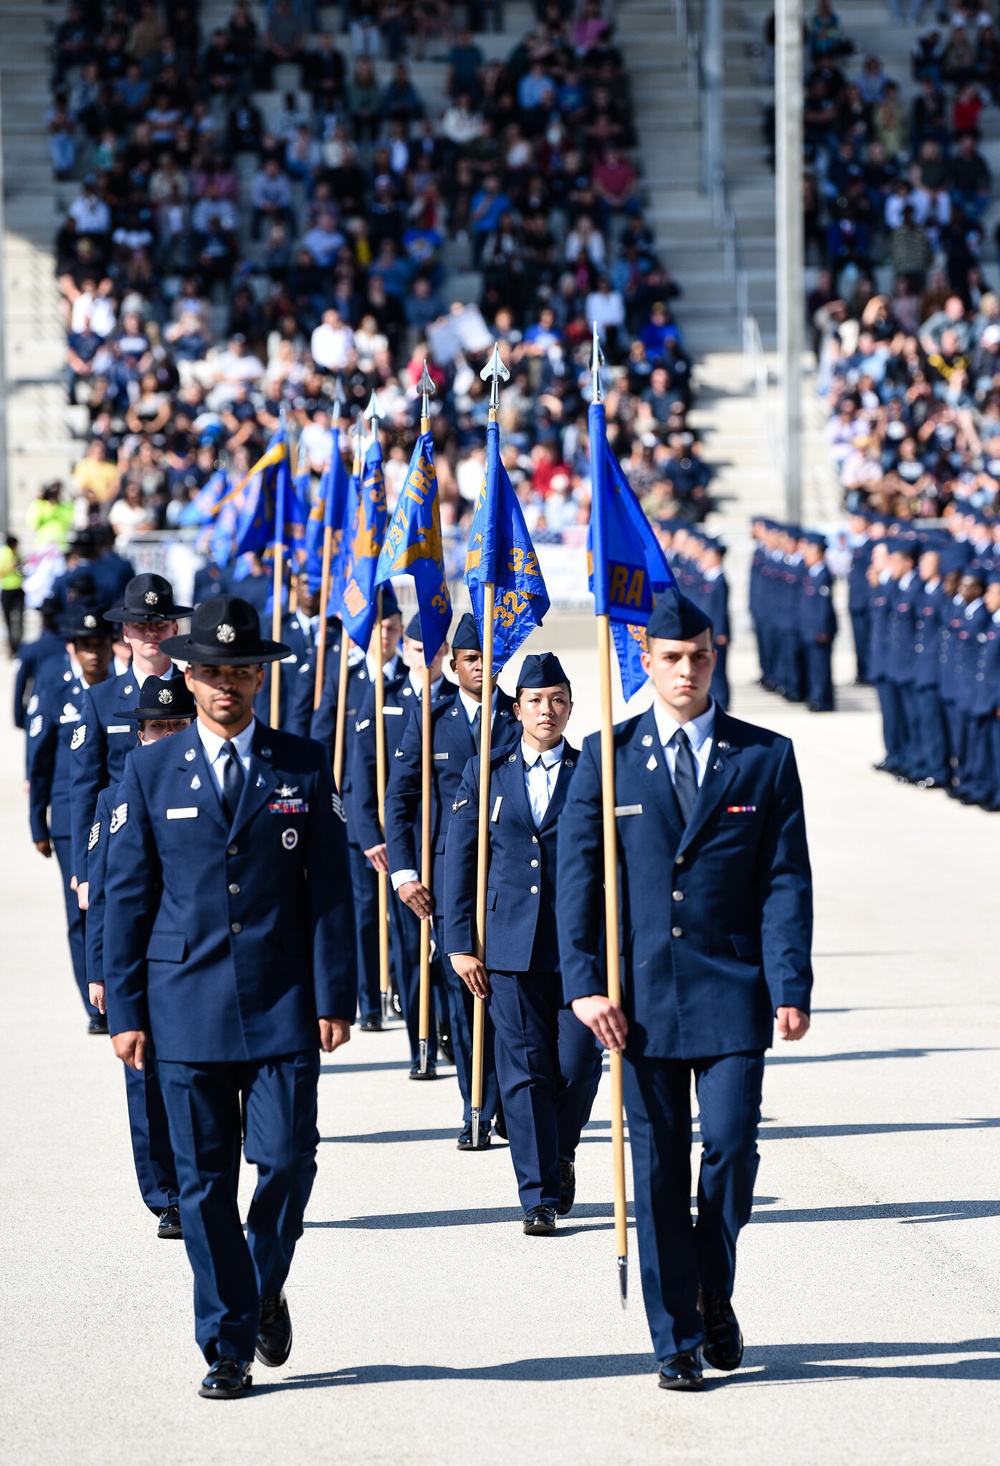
(388, 670)
(213, 746)
(541, 770)
(417, 683)
(472, 707)
(700, 732)
(140, 677)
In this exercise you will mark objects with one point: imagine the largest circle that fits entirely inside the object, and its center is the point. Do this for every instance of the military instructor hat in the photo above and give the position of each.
(466, 638)
(163, 697)
(148, 598)
(543, 669)
(675, 618)
(83, 619)
(225, 632)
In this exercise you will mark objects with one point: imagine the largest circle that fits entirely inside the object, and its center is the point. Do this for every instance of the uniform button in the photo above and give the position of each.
(679, 860)
(236, 928)
(534, 890)
(677, 895)
(534, 839)
(234, 889)
(232, 849)
(534, 863)
(676, 931)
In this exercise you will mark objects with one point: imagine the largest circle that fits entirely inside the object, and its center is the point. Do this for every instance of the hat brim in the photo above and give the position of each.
(186, 649)
(172, 613)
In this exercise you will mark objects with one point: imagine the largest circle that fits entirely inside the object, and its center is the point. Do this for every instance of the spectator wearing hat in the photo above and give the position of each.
(161, 709)
(55, 731)
(707, 973)
(237, 967)
(548, 1065)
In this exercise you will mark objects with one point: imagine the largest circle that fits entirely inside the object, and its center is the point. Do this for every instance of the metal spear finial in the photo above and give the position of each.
(596, 362)
(373, 412)
(495, 372)
(426, 389)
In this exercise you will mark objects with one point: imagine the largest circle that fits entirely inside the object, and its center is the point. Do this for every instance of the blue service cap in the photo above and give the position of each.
(716, 545)
(543, 669)
(675, 618)
(897, 544)
(993, 578)
(390, 606)
(813, 537)
(953, 557)
(466, 638)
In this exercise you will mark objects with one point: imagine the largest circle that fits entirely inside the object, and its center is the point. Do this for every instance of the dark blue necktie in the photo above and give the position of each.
(685, 774)
(232, 781)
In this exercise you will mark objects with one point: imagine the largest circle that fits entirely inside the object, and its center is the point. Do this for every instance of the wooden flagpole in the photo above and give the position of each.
(611, 922)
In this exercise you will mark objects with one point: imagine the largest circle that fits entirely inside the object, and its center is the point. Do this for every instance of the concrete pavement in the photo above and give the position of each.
(427, 1328)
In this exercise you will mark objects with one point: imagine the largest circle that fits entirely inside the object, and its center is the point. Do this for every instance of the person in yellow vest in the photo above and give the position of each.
(12, 593)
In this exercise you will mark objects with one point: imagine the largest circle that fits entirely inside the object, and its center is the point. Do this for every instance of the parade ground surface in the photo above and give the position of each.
(428, 1329)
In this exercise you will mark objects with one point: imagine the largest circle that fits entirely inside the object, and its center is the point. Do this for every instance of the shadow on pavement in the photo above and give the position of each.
(869, 1054)
(460, 1217)
(766, 1365)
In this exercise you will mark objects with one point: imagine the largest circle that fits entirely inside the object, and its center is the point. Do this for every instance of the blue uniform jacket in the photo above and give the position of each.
(98, 758)
(53, 728)
(97, 866)
(714, 601)
(521, 890)
(453, 745)
(904, 612)
(31, 657)
(816, 614)
(323, 725)
(298, 681)
(225, 944)
(931, 607)
(857, 577)
(984, 694)
(401, 703)
(716, 915)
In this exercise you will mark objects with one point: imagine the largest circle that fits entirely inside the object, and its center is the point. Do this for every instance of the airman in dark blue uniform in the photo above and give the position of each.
(299, 632)
(711, 955)
(402, 702)
(930, 748)
(54, 729)
(148, 614)
(713, 598)
(163, 708)
(817, 624)
(548, 1064)
(227, 943)
(362, 668)
(34, 656)
(455, 740)
(857, 591)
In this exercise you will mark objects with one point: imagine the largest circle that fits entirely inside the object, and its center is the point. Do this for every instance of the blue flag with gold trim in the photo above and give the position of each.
(413, 544)
(204, 507)
(625, 562)
(500, 551)
(264, 499)
(329, 509)
(353, 595)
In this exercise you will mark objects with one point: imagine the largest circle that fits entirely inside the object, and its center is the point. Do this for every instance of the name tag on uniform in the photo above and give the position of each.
(119, 728)
(190, 813)
(441, 755)
(496, 808)
(628, 809)
(392, 712)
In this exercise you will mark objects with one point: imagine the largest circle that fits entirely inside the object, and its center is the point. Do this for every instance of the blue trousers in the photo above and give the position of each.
(75, 921)
(893, 723)
(151, 1150)
(930, 756)
(860, 626)
(979, 779)
(548, 1071)
(819, 673)
(364, 885)
(206, 1105)
(675, 1256)
(460, 1021)
(404, 945)
(955, 732)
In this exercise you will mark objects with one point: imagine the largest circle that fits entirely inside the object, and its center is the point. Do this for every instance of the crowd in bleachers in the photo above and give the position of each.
(234, 251)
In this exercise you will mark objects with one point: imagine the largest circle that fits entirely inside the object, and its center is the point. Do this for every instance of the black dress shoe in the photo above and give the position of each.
(540, 1221)
(682, 1372)
(370, 1025)
(274, 1332)
(567, 1187)
(429, 1072)
(227, 1379)
(500, 1124)
(723, 1346)
(465, 1137)
(170, 1223)
(98, 1024)
(445, 1047)
(395, 1004)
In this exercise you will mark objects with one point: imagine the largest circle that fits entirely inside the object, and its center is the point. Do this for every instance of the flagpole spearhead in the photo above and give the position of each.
(623, 1281)
(495, 372)
(373, 412)
(337, 405)
(358, 432)
(426, 388)
(596, 362)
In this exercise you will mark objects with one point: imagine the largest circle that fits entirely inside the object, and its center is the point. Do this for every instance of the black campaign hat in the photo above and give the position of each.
(82, 619)
(225, 632)
(148, 598)
(163, 697)
(541, 670)
(675, 618)
(466, 638)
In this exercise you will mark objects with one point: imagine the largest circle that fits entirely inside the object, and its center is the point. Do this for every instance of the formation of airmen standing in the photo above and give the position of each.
(222, 905)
